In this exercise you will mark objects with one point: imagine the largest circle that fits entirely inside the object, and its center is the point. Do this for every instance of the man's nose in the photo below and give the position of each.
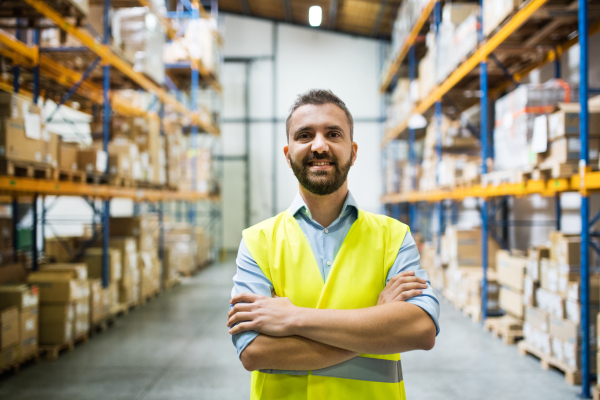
(319, 144)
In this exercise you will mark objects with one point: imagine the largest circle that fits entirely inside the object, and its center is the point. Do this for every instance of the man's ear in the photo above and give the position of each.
(354, 150)
(286, 150)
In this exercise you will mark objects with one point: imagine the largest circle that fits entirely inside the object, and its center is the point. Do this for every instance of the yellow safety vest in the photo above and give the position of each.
(357, 276)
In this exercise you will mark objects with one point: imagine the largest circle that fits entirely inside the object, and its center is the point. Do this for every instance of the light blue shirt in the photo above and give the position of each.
(325, 244)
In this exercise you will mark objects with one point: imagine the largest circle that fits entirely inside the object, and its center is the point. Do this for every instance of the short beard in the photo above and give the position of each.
(318, 182)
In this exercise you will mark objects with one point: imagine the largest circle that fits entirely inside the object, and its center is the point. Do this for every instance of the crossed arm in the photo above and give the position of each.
(297, 338)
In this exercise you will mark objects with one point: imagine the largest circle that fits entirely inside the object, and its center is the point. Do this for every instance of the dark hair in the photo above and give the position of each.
(319, 97)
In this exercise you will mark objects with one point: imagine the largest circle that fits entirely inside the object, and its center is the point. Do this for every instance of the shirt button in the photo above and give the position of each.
(326, 230)
(328, 262)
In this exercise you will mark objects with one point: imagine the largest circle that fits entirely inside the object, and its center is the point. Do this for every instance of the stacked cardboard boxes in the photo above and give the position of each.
(552, 297)
(22, 137)
(64, 302)
(464, 274)
(511, 273)
(179, 251)
(129, 285)
(93, 260)
(10, 348)
(26, 300)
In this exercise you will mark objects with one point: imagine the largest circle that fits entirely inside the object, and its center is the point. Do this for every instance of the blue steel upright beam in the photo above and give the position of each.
(34, 233)
(106, 138)
(36, 68)
(16, 69)
(557, 207)
(412, 208)
(437, 18)
(585, 205)
(484, 156)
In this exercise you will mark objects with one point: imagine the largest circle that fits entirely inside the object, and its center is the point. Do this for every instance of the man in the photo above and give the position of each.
(326, 295)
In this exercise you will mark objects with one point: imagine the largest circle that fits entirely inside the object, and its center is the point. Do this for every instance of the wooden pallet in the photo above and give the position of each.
(25, 169)
(52, 351)
(572, 375)
(16, 366)
(120, 181)
(149, 185)
(472, 312)
(123, 308)
(508, 328)
(98, 179)
(66, 175)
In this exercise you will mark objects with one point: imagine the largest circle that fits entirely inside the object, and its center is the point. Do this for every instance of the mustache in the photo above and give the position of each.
(319, 157)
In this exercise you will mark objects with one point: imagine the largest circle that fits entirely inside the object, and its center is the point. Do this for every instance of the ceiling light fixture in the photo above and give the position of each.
(315, 16)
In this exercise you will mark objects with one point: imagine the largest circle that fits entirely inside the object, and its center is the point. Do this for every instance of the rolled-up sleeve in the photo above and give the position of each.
(408, 259)
(248, 279)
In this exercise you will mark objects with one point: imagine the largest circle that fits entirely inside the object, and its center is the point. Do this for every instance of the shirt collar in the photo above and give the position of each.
(298, 205)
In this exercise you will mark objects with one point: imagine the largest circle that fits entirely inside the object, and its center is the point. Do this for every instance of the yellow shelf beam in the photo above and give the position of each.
(410, 40)
(543, 187)
(480, 55)
(108, 57)
(25, 186)
(25, 55)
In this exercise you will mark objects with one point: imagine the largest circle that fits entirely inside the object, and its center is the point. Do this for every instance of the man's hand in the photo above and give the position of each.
(253, 312)
(402, 287)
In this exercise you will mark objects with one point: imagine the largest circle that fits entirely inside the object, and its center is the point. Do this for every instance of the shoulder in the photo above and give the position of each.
(263, 227)
(384, 222)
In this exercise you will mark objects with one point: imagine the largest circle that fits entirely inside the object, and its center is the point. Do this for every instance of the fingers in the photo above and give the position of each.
(246, 298)
(239, 317)
(398, 280)
(409, 295)
(243, 327)
(405, 287)
(240, 307)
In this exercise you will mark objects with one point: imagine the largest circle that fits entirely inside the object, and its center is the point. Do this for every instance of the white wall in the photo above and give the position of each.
(306, 59)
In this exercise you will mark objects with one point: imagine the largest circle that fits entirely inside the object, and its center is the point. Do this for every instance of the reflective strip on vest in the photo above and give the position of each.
(358, 368)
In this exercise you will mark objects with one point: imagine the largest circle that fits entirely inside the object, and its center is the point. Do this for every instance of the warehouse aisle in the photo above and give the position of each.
(177, 347)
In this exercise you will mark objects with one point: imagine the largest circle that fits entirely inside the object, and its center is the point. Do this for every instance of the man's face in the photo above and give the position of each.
(320, 151)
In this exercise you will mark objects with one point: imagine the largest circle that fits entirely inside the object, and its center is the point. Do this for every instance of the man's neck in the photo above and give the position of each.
(325, 209)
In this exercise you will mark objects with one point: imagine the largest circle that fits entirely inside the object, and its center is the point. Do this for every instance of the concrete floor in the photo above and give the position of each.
(177, 347)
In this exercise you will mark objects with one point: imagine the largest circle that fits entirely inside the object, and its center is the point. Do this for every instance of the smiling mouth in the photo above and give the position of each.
(319, 163)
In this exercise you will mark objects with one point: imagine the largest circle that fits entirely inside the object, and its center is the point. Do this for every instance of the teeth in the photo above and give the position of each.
(322, 163)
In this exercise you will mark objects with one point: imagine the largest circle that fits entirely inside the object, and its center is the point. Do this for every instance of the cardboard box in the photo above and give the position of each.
(537, 318)
(58, 332)
(511, 301)
(68, 156)
(54, 313)
(13, 274)
(9, 327)
(573, 310)
(14, 105)
(529, 288)
(549, 275)
(128, 248)
(51, 143)
(29, 330)
(17, 145)
(565, 249)
(144, 228)
(119, 165)
(97, 308)
(56, 287)
(9, 356)
(510, 269)
(93, 259)
(572, 357)
(22, 296)
(569, 331)
(574, 290)
(92, 161)
(78, 271)
(565, 121)
(550, 302)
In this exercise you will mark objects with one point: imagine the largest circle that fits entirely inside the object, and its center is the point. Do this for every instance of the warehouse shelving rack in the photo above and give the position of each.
(586, 182)
(80, 89)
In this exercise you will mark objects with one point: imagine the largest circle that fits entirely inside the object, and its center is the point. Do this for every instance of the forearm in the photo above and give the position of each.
(388, 328)
(293, 353)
